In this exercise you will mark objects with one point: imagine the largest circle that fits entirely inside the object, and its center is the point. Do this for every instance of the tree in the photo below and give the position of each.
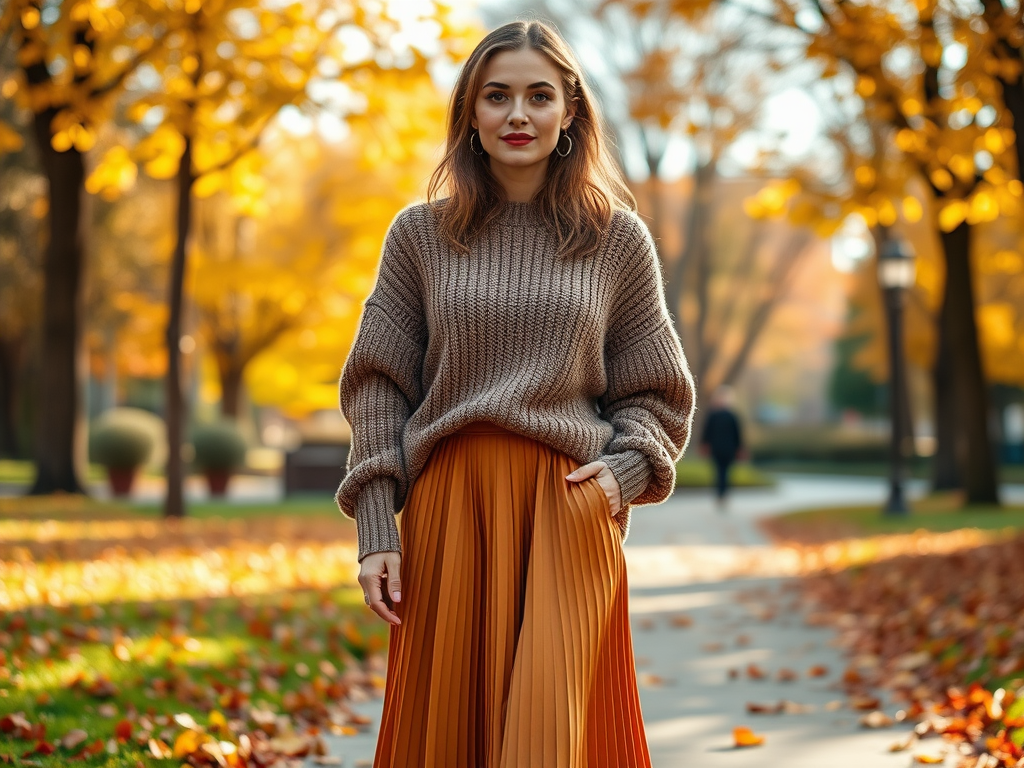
(927, 107)
(73, 59)
(278, 296)
(226, 71)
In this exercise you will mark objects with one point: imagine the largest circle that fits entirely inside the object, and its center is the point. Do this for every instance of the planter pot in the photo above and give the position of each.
(217, 480)
(121, 480)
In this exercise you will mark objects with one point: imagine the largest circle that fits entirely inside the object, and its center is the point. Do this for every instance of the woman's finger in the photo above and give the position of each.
(377, 604)
(393, 564)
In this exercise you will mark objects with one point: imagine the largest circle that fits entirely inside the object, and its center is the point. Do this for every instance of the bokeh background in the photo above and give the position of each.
(773, 147)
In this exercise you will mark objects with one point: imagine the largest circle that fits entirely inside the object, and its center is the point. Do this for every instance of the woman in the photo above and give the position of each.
(515, 385)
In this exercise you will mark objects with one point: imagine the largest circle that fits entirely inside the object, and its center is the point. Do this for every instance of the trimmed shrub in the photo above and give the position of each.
(119, 444)
(218, 445)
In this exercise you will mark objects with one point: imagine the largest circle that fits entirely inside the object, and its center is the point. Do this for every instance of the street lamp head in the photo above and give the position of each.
(896, 264)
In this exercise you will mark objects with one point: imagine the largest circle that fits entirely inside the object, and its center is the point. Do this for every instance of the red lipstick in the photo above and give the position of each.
(517, 139)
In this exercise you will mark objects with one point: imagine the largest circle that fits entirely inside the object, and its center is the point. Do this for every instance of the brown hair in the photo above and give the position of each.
(581, 190)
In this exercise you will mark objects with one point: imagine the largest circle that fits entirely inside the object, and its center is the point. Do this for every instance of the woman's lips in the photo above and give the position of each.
(517, 140)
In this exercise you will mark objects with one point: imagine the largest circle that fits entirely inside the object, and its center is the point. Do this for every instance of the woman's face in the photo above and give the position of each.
(520, 112)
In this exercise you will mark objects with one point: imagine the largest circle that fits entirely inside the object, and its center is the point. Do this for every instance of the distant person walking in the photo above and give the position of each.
(515, 388)
(722, 440)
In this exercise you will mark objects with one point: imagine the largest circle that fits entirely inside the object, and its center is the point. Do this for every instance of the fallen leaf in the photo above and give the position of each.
(650, 680)
(754, 672)
(864, 702)
(904, 744)
(160, 750)
(73, 738)
(876, 719)
(756, 708)
(744, 737)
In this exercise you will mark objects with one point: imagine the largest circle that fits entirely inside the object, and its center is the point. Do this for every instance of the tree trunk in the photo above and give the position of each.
(174, 504)
(946, 462)
(11, 351)
(959, 327)
(230, 390)
(56, 449)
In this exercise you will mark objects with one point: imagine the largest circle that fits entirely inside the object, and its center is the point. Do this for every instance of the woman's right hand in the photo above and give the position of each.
(377, 571)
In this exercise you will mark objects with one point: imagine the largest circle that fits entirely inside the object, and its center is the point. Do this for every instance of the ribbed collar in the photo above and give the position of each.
(517, 214)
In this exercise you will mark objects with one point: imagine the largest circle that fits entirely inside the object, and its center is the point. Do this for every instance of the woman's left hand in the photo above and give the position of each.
(607, 480)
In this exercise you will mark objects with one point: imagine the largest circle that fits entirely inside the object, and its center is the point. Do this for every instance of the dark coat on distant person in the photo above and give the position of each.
(722, 435)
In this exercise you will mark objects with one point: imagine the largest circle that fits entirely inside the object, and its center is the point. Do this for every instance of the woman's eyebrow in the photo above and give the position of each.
(541, 84)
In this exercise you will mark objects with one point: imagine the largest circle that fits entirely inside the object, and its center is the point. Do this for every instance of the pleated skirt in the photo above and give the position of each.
(514, 649)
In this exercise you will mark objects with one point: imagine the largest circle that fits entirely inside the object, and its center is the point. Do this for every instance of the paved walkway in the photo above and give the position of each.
(680, 555)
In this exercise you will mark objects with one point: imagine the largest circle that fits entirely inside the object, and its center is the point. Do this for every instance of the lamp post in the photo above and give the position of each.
(896, 273)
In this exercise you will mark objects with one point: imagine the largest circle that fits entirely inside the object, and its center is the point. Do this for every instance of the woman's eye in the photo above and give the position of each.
(542, 96)
(496, 96)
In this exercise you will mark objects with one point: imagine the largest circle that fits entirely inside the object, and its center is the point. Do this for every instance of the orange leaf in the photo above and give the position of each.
(123, 730)
(744, 737)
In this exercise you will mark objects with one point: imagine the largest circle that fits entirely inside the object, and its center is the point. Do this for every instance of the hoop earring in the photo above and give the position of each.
(473, 135)
(560, 152)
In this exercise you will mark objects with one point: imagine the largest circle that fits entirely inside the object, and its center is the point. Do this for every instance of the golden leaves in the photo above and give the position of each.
(114, 175)
(10, 139)
(30, 17)
(163, 561)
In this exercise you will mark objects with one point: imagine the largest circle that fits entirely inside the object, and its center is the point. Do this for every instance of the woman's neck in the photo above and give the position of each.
(520, 184)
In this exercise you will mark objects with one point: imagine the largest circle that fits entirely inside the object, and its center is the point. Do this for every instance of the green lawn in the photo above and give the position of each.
(694, 473)
(920, 469)
(23, 472)
(938, 513)
(94, 667)
(114, 621)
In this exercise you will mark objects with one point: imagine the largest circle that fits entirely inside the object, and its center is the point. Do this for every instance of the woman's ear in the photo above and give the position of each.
(570, 113)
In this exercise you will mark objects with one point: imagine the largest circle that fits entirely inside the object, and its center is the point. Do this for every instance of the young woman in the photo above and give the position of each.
(514, 387)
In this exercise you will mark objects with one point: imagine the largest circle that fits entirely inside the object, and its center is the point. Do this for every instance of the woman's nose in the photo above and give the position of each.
(517, 114)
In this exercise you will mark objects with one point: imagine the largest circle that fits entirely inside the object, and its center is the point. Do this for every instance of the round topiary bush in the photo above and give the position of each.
(119, 444)
(218, 445)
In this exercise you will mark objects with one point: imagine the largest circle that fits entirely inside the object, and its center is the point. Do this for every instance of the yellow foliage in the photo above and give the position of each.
(10, 139)
(983, 207)
(114, 174)
(997, 324)
(952, 214)
(912, 209)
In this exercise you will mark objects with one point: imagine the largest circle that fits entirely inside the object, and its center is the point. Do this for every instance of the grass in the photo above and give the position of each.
(691, 473)
(114, 620)
(288, 653)
(1008, 473)
(937, 513)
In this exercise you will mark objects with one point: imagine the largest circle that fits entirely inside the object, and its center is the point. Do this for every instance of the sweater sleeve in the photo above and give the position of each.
(650, 393)
(378, 390)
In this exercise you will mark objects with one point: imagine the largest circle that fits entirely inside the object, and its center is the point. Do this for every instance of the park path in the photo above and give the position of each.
(686, 557)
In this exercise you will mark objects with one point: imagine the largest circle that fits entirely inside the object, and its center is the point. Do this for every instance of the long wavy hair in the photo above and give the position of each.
(581, 190)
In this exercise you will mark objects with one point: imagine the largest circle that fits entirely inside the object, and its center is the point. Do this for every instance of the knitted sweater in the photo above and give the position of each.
(579, 353)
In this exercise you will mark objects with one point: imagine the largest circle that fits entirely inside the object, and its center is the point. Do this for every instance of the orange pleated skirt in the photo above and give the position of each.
(514, 649)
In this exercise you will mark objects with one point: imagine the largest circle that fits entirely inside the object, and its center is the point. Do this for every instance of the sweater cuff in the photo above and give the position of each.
(632, 470)
(375, 517)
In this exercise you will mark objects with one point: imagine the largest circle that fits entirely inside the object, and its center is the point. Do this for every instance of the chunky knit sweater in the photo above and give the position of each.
(579, 353)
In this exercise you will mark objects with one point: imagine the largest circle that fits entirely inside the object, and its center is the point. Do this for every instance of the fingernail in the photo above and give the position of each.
(397, 596)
